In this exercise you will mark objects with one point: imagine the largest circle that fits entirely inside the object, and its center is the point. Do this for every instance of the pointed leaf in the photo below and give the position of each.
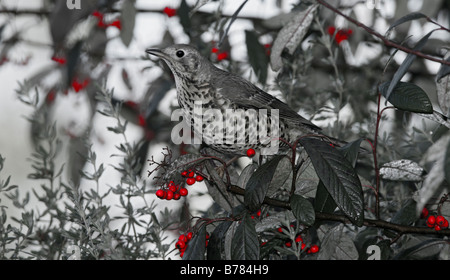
(183, 14)
(291, 35)
(257, 56)
(408, 17)
(338, 177)
(258, 184)
(302, 210)
(196, 247)
(216, 243)
(408, 97)
(245, 243)
(127, 21)
(406, 64)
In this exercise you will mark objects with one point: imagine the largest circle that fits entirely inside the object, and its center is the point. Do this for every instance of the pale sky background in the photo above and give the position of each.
(15, 143)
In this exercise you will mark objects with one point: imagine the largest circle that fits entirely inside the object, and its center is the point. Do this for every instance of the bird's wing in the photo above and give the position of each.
(243, 93)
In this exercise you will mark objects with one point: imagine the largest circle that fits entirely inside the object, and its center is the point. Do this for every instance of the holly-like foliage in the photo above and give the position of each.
(383, 195)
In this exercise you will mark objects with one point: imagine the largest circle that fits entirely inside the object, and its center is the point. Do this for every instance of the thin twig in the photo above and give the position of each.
(386, 41)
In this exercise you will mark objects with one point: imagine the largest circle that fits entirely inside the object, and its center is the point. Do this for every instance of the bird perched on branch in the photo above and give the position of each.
(198, 80)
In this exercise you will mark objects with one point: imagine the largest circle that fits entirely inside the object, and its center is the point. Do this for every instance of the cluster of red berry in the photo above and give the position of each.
(191, 177)
(173, 191)
(183, 241)
(299, 241)
(437, 221)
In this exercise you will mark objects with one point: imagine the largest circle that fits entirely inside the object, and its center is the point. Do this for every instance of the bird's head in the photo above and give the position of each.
(183, 60)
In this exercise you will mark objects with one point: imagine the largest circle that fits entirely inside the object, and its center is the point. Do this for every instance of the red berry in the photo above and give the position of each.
(190, 181)
(258, 213)
(180, 245)
(184, 173)
(172, 188)
(199, 178)
(183, 191)
(445, 224)
(431, 220)
(182, 238)
(214, 50)
(303, 246)
(437, 228)
(314, 249)
(298, 239)
(117, 24)
(288, 244)
(251, 152)
(191, 174)
(280, 229)
(169, 195)
(222, 56)
(160, 193)
(176, 196)
(440, 220)
(189, 235)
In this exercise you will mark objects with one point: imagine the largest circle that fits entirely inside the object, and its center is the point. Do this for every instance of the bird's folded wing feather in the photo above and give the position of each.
(246, 95)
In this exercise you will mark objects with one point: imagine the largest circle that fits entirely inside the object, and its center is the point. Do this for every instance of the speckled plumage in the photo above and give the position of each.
(197, 79)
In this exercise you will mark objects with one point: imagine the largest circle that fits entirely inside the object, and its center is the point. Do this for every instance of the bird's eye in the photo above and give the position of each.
(180, 53)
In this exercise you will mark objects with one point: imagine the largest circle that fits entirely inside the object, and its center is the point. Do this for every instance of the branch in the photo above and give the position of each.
(401, 229)
(386, 41)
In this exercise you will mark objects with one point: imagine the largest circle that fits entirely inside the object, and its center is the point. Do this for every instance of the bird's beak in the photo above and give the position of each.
(156, 52)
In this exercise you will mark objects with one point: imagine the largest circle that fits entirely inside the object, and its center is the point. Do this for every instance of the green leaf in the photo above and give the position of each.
(127, 20)
(245, 243)
(338, 177)
(302, 210)
(258, 184)
(257, 56)
(408, 97)
(196, 247)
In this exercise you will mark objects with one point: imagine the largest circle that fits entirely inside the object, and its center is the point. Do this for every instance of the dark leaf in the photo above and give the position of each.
(338, 177)
(233, 18)
(302, 210)
(408, 97)
(444, 70)
(127, 21)
(257, 185)
(257, 56)
(245, 243)
(216, 242)
(447, 163)
(406, 64)
(183, 14)
(351, 151)
(323, 201)
(408, 17)
(196, 247)
(406, 215)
